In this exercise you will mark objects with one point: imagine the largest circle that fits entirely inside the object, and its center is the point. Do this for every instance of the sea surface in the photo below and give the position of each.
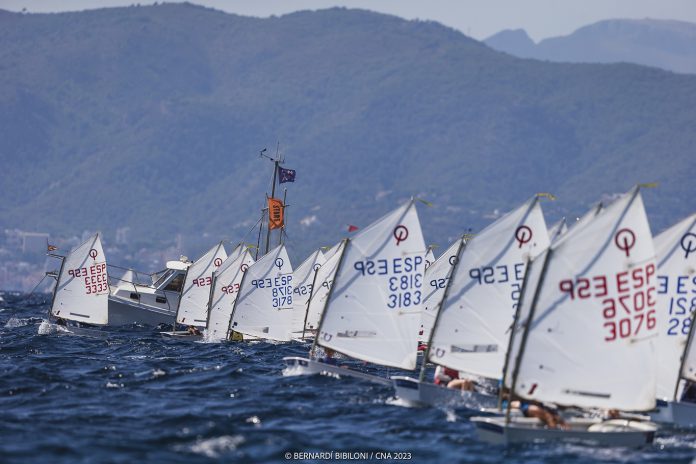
(130, 395)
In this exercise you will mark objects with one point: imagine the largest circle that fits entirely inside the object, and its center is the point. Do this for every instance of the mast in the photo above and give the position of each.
(280, 235)
(309, 301)
(276, 163)
(689, 341)
(328, 296)
(236, 300)
(462, 245)
(258, 239)
(525, 335)
(55, 289)
(525, 284)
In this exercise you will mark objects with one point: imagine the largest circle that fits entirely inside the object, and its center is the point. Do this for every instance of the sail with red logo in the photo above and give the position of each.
(437, 275)
(590, 340)
(530, 283)
(472, 330)
(193, 304)
(82, 290)
(374, 305)
(226, 283)
(320, 290)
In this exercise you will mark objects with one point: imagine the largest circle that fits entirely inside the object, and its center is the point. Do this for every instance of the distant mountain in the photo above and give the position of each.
(669, 45)
(153, 117)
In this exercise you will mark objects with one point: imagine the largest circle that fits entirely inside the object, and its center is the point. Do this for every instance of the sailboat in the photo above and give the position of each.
(83, 294)
(373, 307)
(303, 282)
(263, 308)
(227, 281)
(192, 310)
(435, 279)
(676, 296)
(323, 279)
(476, 308)
(584, 335)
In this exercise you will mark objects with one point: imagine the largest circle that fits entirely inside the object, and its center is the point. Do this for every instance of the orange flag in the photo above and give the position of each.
(275, 214)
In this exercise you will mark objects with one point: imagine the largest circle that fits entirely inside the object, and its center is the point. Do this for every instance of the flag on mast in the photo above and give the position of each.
(275, 214)
(285, 175)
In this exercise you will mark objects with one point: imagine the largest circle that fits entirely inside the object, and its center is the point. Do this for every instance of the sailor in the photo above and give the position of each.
(193, 330)
(529, 408)
(328, 357)
(445, 376)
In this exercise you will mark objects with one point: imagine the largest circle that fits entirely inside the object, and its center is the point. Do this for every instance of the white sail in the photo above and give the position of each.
(322, 285)
(303, 280)
(590, 342)
(429, 257)
(193, 303)
(558, 229)
(82, 290)
(530, 283)
(435, 280)
(226, 284)
(675, 249)
(264, 305)
(472, 331)
(332, 251)
(373, 311)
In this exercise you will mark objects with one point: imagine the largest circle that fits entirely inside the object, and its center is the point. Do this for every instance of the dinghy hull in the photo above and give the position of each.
(520, 430)
(675, 413)
(302, 366)
(421, 394)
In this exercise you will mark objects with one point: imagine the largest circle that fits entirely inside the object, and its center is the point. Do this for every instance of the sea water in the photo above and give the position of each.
(131, 395)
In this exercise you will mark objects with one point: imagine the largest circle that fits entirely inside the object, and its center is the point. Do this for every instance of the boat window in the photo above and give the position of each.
(176, 283)
(163, 278)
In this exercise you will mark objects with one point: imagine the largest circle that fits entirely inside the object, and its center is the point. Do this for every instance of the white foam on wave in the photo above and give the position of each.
(677, 441)
(396, 401)
(114, 385)
(450, 415)
(214, 447)
(15, 322)
(46, 328)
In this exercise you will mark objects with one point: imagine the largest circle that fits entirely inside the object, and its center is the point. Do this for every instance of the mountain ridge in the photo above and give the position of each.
(152, 118)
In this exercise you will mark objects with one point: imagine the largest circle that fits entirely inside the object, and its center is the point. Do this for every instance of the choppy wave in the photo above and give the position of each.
(131, 395)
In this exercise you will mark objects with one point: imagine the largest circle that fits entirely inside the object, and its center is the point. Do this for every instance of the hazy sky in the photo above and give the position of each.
(477, 18)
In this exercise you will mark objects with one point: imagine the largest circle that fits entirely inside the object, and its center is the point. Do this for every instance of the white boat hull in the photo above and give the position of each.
(302, 366)
(123, 312)
(422, 394)
(520, 430)
(675, 413)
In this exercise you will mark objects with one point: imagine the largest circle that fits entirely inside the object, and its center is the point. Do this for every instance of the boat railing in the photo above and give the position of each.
(137, 279)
